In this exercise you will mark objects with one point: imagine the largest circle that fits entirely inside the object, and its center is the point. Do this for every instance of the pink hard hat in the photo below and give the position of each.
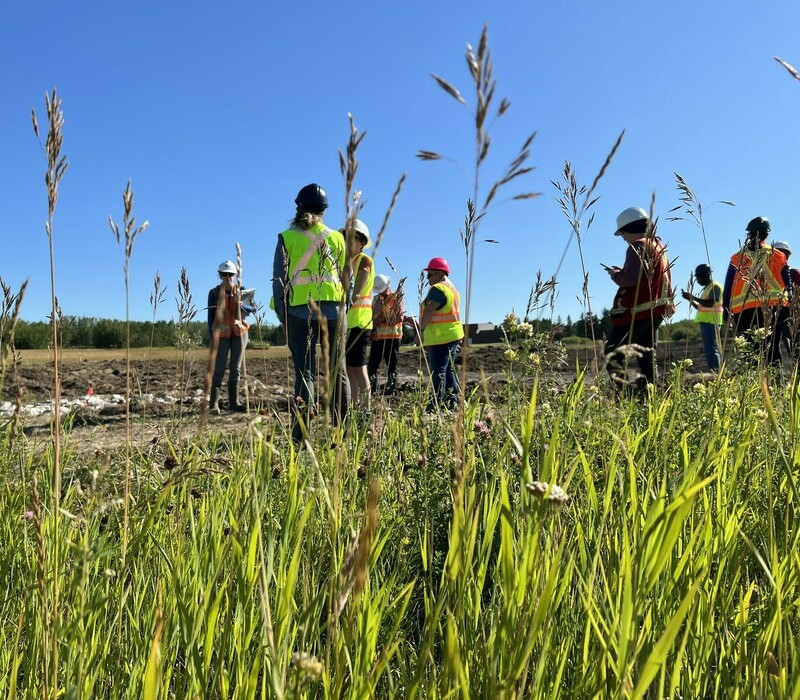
(439, 264)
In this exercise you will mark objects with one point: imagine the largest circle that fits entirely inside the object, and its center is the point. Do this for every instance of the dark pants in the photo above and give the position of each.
(233, 347)
(643, 333)
(441, 359)
(303, 336)
(384, 351)
(709, 332)
(774, 320)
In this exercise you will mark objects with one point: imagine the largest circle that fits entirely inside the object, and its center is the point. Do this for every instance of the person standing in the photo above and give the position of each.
(442, 332)
(792, 330)
(387, 332)
(644, 296)
(359, 315)
(757, 290)
(307, 295)
(709, 315)
(227, 332)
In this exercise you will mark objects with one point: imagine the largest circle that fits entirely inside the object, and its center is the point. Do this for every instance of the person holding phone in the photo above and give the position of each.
(644, 297)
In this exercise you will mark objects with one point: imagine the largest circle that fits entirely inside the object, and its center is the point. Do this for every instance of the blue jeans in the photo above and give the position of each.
(708, 332)
(303, 336)
(441, 359)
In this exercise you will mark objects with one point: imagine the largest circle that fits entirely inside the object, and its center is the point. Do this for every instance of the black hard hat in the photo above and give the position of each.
(702, 270)
(759, 226)
(312, 198)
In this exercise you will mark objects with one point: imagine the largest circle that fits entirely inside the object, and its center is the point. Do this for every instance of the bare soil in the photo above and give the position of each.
(168, 392)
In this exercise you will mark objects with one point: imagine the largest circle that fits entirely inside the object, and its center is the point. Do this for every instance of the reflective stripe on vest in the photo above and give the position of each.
(710, 314)
(359, 315)
(316, 258)
(654, 286)
(387, 320)
(757, 280)
(445, 324)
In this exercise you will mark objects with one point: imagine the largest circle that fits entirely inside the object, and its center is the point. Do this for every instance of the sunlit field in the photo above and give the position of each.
(550, 538)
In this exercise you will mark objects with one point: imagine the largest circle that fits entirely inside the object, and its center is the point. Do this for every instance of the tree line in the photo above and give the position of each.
(104, 333)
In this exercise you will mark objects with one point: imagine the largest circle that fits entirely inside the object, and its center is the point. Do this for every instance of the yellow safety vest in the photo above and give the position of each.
(359, 315)
(710, 314)
(316, 259)
(445, 325)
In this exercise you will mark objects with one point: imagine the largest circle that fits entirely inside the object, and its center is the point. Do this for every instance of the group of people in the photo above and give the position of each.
(755, 299)
(325, 291)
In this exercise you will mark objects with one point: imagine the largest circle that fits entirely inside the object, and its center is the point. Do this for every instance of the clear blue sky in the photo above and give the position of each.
(220, 112)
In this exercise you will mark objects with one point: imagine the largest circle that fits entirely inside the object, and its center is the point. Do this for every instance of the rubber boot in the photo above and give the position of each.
(213, 401)
(233, 399)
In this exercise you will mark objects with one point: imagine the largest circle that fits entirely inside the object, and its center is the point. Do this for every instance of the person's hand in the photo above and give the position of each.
(686, 295)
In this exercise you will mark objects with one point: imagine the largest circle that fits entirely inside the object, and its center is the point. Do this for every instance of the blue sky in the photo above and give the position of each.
(220, 112)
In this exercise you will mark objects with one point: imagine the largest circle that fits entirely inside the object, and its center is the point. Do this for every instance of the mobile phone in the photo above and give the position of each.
(605, 267)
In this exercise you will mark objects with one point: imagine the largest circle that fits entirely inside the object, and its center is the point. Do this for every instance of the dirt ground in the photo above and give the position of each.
(168, 389)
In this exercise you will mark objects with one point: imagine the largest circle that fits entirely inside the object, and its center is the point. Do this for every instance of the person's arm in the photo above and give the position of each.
(280, 279)
(362, 275)
(713, 299)
(628, 276)
(726, 294)
(212, 310)
(786, 276)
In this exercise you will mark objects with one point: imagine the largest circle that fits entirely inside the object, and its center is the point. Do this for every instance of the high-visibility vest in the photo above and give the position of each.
(387, 317)
(316, 259)
(359, 315)
(652, 296)
(757, 280)
(225, 322)
(445, 324)
(710, 314)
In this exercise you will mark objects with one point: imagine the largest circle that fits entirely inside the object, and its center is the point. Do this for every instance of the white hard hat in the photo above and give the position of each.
(228, 267)
(784, 246)
(629, 216)
(361, 228)
(381, 284)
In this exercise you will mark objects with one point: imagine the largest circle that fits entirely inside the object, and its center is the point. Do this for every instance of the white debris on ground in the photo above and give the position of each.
(99, 403)
(92, 402)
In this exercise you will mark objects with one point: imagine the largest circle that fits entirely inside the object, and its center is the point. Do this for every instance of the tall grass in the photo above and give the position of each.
(670, 570)
(573, 546)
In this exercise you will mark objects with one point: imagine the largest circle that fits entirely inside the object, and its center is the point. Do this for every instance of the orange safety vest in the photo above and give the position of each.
(387, 317)
(653, 295)
(226, 324)
(757, 280)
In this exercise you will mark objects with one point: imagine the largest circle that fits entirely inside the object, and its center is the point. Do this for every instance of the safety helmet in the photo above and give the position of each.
(629, 216)
(227, 267)
(381, 284)
(312, 199)
(702, 270)
(360, 228)
(783, 246)
(439, 264)
(759, 227)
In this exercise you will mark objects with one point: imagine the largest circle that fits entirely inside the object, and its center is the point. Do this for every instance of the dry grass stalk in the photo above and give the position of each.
(10, 307)
(789, 67)
(353, 576)
(131, 232)
(481, 69)
(56, 168)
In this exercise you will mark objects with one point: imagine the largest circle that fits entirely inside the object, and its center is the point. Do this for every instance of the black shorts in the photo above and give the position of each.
(356, 347)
